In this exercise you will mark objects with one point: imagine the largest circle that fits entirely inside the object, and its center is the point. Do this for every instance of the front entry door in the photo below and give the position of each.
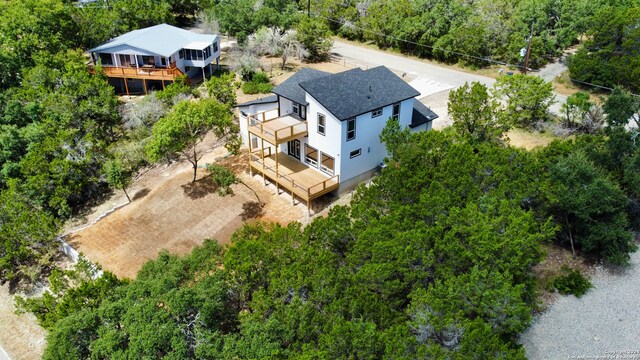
(294, 148)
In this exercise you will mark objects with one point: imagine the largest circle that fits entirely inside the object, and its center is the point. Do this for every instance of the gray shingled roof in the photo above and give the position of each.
(291, 89)
(421, 114)
(163, 40)
(355, 92)
(265, 100)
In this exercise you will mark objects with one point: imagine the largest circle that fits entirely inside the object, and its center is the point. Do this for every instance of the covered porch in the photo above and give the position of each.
(291, 175)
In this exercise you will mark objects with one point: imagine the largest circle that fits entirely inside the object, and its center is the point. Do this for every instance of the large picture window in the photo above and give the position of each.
(327, 163)
(310, 155)
(321, 124)
(351, 129)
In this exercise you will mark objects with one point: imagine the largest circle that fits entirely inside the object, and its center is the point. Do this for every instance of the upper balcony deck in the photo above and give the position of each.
(147, 72)
(276, 130)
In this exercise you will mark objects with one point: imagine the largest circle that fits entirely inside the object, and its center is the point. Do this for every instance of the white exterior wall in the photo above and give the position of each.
(285, 106)
(406, 112)
(329, 143)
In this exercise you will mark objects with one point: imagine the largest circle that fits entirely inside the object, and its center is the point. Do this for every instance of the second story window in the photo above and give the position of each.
(321, 124)
(376, 112)
(299, 110)
(351, 129)
(396, 111)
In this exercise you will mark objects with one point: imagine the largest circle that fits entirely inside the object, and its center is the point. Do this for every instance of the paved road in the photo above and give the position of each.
(418, 70)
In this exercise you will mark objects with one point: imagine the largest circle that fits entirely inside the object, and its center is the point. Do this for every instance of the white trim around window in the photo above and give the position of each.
(351, 129)
(322, 124)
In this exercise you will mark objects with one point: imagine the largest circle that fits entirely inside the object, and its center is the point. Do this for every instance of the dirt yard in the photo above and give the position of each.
(21, 336)
(170, 212)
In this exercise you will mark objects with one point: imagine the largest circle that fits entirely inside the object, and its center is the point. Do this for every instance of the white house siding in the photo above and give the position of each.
(329, 143)
(406, 112)
(285, 106)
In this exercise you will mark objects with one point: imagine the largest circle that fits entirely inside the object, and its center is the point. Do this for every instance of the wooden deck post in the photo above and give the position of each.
(293, 197)
(250, 154)
(126, 86)
(162, 84)
(144, 84)
(277, 175)
(262, 156)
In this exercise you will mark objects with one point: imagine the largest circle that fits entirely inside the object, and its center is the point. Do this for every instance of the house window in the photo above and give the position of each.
(299, 110)
(351, 129)
(294, 148)
(321, 123)
(215, 47)
(327, 163)
(181, 54)
(310, 155)
(355, 153)
(148, 60)
(376, 112)
(125, 60)
(106, 59)
(163, 61)
(396, 111)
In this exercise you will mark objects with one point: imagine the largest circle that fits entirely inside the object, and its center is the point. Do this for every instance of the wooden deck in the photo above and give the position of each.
(151, 73)
(279, 130)
(293, 176)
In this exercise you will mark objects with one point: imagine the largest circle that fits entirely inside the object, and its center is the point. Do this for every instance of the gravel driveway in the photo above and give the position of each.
(603, 324)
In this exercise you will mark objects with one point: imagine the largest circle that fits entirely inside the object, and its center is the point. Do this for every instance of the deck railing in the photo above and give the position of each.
(259, 121)
(141, 72)
(285, 180)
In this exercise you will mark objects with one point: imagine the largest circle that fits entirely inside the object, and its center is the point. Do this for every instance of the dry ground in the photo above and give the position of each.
(170, 212)
(21, 336)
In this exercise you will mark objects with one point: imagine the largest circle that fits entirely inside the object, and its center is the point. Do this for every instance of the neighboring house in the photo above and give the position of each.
(153, 57)
(320, 132)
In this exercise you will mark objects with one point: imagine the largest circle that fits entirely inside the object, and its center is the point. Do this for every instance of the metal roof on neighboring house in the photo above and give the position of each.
(163, 40)
(421, 114)
(291, 89)
(355, 92)
(265, 100)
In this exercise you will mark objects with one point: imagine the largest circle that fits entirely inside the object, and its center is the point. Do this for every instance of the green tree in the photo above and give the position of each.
(186, 125)
(117, 175)
(315, 36)
(474, 113)
(622, 107)
(28, 243)
(576, 108)
(590, 209)
(276, 42)
(223, 179)
(527, 97)
(610, 56)
(223, 88)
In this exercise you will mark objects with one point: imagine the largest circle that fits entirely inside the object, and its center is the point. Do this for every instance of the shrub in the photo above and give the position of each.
(572, 282)
(259, 84)
(256, 88)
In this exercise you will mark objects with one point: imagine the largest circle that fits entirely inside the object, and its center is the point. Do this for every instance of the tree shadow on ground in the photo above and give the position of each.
(199, 189)
(251, 210)
(140, 194)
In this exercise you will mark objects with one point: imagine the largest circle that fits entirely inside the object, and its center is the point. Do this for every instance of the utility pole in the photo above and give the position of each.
(526, 59)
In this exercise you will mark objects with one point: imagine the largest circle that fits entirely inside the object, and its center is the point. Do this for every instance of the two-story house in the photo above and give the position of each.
(320, 132)
(153, 57)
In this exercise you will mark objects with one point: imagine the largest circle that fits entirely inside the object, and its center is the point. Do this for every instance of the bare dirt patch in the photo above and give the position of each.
(21, 336)
(529, 139)
(556, 258)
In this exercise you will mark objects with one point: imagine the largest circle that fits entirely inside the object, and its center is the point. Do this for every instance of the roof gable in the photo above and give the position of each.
(355, 92)
(163, 40)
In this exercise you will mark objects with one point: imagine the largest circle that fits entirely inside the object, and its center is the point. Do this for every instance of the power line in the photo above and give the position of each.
(423, 45)
(455, 52)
